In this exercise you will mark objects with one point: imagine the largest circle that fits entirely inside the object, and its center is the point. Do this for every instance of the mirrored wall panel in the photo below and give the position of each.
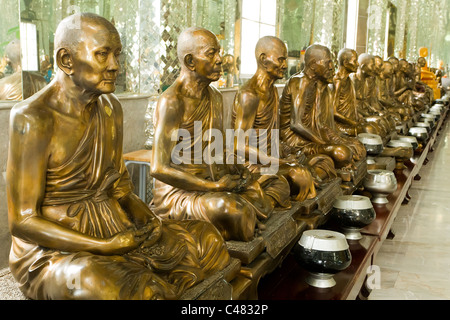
(10, 64)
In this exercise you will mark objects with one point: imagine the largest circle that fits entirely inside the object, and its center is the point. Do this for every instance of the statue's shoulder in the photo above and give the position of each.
(296, 79)
(215, 91)
(32, 114)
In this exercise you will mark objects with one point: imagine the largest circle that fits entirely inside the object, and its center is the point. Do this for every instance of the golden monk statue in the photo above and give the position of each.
(427, 76)
(307, 120)
(406, 88)
(78, 231)
(346, 115)
(192, 183)
(367, 106)
(256, 107)
(21, 84)
(386, 96)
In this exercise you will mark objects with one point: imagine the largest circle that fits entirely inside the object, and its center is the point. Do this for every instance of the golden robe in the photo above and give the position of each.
(82, 194)
(175, 203)
(318, 117)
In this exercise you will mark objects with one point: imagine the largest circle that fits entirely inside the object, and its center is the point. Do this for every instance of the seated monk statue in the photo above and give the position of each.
(20, 84)
(256, 106)
(78, 230)
(307, 120)
(386, 96)
(373, 90)
(395, 87)
(346, 116)
(198, 185)
(426, 74)
(405, 87)
(365, 107)
(422, 86)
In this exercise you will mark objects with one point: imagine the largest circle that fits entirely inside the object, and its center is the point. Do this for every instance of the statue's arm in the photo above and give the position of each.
(168, 117)
(30, 137)
(297, 111)
(246, 107)
(337, 115)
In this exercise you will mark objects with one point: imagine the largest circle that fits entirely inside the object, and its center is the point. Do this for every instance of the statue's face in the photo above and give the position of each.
(276, 60)
(394, 63)
(352, 63)
(324, 68)
(206, 57)
(378, 65)
(421, 62)
(403, 66)
(368, 68)
(387, 71)
(96, 62)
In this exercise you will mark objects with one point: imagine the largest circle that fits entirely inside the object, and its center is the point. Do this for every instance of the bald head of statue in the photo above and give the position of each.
(12, 54)
(319, 62)
(271, 56)
(394, 61)
(198, 51)
(87, 50)
(378, 64)
(367, 64)
(348, 58)
(387, 70)
(77, 28)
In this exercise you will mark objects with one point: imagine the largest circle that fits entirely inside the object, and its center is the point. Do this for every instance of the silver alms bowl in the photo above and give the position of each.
(352, 213)
(411, 139)
(322, 253)
(372, 142)
(380, 183)
(419, 132)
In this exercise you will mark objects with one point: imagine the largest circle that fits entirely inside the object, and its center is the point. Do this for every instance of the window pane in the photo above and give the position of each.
(268, 11)
(29, 47)
(249, 38)
(250, 9)
(266, 30)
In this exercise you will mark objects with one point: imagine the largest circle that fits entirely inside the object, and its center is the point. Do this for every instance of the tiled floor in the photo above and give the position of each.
(415, 264)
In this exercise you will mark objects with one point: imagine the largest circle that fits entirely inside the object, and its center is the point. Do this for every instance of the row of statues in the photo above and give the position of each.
(78, 230)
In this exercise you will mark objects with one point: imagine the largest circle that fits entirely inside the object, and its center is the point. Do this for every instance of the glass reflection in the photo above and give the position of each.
(10, 67)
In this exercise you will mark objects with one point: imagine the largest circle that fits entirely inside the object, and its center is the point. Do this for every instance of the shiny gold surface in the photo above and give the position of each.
(307, 121)
(79, 232)
(225, 194)
(367, 106)
(347, 118)
(256, 106)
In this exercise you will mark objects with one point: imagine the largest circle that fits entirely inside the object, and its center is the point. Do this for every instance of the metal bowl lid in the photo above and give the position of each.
(426, 115)
(399, 143)
(369, 138)
(323, 240)
(352, 202)
(410, 139)
(422, 124)
(418, 130)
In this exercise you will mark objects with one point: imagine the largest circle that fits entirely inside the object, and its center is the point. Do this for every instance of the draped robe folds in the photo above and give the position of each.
(346, 105)
(175, 203)
(318, 116)
(266, 122)
(82, 194)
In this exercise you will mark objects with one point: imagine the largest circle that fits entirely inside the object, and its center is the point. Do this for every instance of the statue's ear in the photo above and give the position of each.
(262, 59)
(189, 62)
(312, 64)
(64, 61)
